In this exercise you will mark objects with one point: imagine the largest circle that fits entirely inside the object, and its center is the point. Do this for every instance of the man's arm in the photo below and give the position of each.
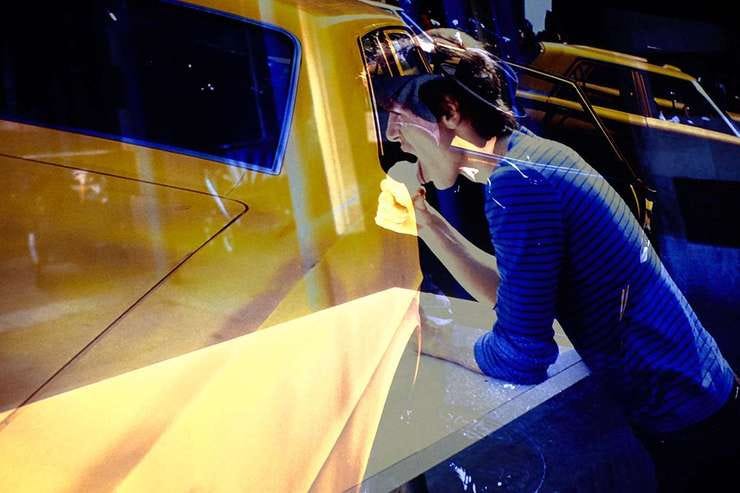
(402, 208)
(527, 232)
(528, 235)
(473, 268)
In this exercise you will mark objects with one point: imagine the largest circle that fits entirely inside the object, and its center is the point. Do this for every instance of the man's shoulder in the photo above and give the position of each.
(516, 174)
(534, 150)
(518, 184)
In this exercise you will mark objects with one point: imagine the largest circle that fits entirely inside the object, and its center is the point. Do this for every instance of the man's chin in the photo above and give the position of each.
(440, 184)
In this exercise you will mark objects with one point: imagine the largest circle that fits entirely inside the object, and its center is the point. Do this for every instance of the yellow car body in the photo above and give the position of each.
(124, 266)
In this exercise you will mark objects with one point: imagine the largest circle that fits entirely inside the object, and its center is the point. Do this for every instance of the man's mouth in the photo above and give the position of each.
(420, 173)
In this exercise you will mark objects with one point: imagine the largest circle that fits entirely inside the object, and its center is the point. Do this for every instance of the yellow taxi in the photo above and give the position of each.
(180, 176)
(660, 116)
(683, 146)
(628, 89)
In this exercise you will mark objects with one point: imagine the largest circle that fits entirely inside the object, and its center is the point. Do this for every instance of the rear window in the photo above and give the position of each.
(158, 74)
(679, 101)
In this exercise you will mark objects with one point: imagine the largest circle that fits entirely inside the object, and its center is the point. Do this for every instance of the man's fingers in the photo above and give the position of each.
(419, 199)
(397, 201)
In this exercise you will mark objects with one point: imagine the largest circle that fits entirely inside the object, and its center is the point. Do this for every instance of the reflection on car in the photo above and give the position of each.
(178, 175)
(620, 86)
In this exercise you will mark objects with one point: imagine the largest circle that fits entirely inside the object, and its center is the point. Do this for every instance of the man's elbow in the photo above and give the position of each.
(519, 364)
(531, 376)
(519, 371)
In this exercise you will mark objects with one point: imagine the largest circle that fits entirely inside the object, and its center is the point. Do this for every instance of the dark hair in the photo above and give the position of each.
(407, 96)
(475, 84)
(449, 44)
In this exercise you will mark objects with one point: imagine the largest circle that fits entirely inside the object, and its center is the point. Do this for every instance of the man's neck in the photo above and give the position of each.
(501, 146)
(480, 164)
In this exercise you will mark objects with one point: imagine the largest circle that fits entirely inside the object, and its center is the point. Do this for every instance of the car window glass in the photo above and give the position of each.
(158, 74)
(406, 54)
(391, 58)
(608, 86)
(679, 101)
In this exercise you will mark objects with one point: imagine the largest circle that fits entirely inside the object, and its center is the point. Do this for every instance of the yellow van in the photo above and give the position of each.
(178, 175)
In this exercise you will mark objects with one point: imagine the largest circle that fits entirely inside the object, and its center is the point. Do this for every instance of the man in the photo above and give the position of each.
(566, 247)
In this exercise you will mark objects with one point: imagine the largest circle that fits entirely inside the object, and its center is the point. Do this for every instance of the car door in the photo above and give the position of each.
(690, 153)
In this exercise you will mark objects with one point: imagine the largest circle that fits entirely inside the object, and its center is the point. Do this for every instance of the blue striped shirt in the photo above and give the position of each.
(568, 247)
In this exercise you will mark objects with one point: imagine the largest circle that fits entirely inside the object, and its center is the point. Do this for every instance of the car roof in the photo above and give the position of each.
(580, 51)
(294, 16)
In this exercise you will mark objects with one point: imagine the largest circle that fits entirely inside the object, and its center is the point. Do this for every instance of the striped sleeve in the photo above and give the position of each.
(526, 225)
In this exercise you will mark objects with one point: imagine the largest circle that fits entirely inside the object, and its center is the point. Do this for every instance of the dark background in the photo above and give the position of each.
(701, 38)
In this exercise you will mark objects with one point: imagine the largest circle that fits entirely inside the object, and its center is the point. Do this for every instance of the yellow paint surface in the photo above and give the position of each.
(78, 249)
(274, 410)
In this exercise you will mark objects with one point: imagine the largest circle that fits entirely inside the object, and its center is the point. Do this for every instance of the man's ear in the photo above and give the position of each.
(451, 115)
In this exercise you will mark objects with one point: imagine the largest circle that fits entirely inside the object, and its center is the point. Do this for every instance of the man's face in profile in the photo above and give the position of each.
(421, 138)
(409, 129)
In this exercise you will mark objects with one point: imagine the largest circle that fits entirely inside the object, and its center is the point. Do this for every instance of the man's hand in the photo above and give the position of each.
(454, 343)
(401, 193)
(442, 337)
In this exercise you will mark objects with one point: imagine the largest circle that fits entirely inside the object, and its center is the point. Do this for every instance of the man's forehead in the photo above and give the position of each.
(400, 109)
(405, 98)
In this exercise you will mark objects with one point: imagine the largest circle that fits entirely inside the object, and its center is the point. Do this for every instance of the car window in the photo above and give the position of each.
(158, 74)
(554, 110)
(391, 57)
(679, 101)
(608, 86)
